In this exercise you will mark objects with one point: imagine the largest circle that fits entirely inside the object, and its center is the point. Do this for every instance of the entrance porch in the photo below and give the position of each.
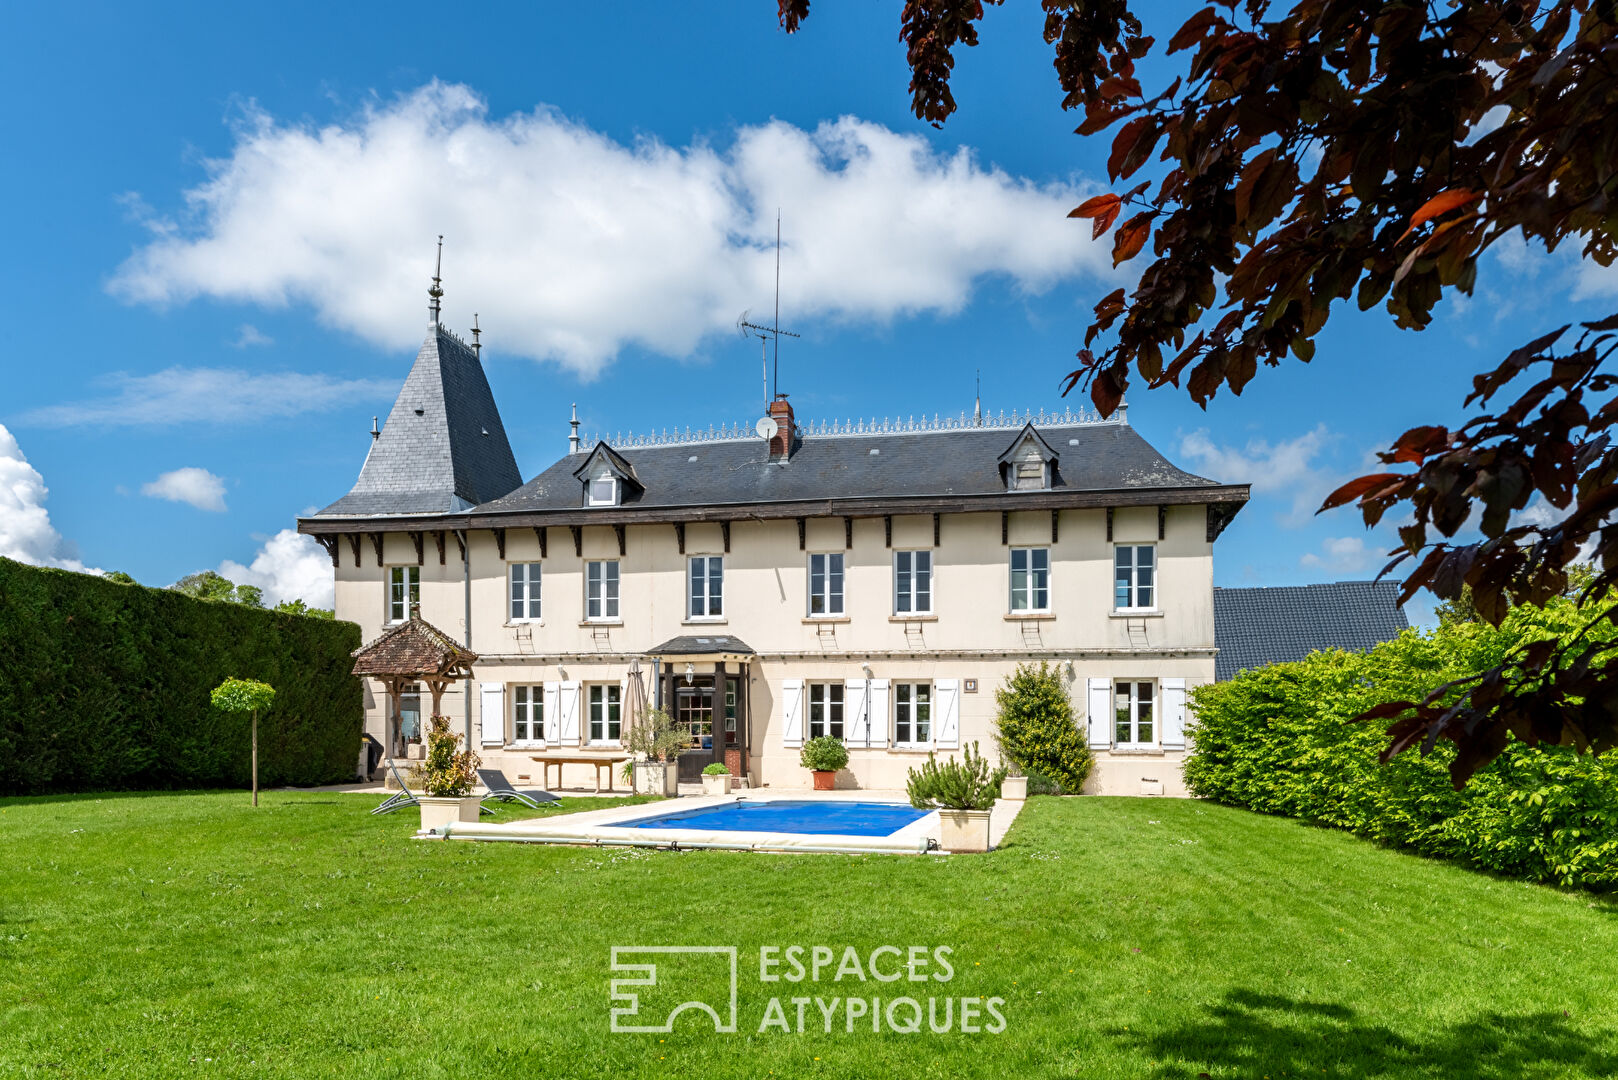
(703, 683)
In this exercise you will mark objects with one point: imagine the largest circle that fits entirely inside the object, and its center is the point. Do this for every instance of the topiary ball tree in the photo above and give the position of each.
(245, 696)
(1036, 729)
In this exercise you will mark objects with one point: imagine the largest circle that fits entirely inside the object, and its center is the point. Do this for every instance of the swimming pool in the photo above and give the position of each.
(799, 816)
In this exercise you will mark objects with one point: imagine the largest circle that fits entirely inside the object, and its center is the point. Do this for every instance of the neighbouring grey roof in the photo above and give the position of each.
(965, 461)
(443, 449)
(1254, 627)
(694, 645)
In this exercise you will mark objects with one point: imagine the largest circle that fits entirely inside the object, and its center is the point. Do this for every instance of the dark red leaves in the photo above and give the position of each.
(1103, 209)
(1131, 238)
(1358, 488)
(1441, 204)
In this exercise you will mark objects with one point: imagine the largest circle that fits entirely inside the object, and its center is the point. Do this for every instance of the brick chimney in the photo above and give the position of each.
(781, 444)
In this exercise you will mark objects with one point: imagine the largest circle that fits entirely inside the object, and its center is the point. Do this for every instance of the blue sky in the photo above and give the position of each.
(218, 246)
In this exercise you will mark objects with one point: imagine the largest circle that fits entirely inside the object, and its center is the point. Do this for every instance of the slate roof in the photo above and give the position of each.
(1254, 627)
(695, 645)
(1091, 457)
(443, 449)
(413, 647)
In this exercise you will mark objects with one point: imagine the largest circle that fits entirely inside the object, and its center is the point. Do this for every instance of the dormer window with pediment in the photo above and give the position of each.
(607, 477)
(1029, 463)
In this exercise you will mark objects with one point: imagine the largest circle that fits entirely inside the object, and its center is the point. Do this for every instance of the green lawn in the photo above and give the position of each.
(144, 935)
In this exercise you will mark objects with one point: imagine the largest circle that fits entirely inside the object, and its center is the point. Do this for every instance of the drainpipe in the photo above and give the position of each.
(466, 579)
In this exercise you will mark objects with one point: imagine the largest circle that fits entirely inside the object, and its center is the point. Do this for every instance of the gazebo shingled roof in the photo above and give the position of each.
(414, 648)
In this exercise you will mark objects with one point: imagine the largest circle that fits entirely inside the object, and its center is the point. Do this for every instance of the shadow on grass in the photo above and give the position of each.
(99, 796)
(1253, 1034)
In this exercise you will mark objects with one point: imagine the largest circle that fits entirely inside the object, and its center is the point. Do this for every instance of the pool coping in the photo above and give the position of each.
(607, 828)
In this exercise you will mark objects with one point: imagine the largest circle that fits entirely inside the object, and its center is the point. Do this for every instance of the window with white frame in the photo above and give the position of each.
(912, 582)
(912, 714)
(1135, 577)
(1030, 579)
(404, 591)
(601, 589)
(1133, 705)
(605, 715)
(826, 710)
(706, 593)
(527, 714)
(602, 489)
(525, 592)
(826, 584)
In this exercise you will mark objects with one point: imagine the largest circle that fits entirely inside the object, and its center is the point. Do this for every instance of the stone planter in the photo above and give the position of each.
(657, 778)
(825, 779)
(716, 785)
(438, 811)
(963, 830)
(1014, 788)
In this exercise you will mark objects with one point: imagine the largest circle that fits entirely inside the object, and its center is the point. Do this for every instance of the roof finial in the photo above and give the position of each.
(977, 403)
(477, 347)
(573, 437)
(436, 293)
(376, 432)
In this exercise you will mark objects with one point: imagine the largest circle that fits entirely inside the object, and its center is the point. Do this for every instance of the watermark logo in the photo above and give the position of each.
(888, 988)
(699, 964)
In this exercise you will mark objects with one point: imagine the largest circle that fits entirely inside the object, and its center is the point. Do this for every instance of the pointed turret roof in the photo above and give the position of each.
(443, 449)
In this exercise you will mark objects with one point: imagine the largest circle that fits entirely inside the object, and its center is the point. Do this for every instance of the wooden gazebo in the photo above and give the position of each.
(413, 651)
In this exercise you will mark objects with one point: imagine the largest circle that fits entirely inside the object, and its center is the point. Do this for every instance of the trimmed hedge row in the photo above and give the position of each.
(1278, 740)
(106, 686)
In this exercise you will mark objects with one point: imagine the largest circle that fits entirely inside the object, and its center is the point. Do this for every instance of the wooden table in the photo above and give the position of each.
(598, 760)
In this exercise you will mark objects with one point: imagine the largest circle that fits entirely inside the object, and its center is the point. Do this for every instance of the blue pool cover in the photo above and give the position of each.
(814, 818)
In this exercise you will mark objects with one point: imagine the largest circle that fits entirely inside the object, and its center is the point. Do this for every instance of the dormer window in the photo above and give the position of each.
(607, 478)
(604, 491)
(1029, 463)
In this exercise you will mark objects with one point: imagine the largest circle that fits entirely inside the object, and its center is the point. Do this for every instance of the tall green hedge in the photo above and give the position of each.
(1278, 740)
(106, 686)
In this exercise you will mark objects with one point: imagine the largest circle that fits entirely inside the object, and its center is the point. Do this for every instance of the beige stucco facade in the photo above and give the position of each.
(965, 648)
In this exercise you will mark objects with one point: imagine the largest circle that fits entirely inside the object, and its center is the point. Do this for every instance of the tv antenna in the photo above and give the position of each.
(770, 335)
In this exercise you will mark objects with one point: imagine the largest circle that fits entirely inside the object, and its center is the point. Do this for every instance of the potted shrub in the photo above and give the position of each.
(716, 779)
(1014, 788)
(962, 792)
(448, 775)
(655, 744)
(824, 756)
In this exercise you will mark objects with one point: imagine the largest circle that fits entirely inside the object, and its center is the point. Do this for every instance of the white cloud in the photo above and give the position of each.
(249, 336)
(198, 487)
(209, 395)
(26, 533)
(1284, 470)
(290, 566)
(571, 245)
(1342, 555)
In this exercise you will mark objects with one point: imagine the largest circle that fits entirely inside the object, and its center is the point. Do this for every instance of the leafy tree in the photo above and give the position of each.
(120, 577)
(207, 585)
(1366, 150)
(298, 607)
(1036, 729)
(245, 696)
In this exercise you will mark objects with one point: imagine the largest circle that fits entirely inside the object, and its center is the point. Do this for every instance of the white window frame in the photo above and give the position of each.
(1030, 591)
(524, 582)
(611, 700)
(906, 715)
(907, 598)
(821, 696)
(528, 698)
(826, 595)
(408, 575)
(1126, 579)
(614, 487)
(603, 591)
(1127, 707)
(709, 603)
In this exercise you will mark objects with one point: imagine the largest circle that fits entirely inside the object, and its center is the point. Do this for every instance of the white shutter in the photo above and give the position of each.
(947, 713)
(878, 707)
(792, 712)
(856, 715)
(567, 731)
(1101, 714)
(623, 707)
(494, 713)
(553, 712)
(1173, 714)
